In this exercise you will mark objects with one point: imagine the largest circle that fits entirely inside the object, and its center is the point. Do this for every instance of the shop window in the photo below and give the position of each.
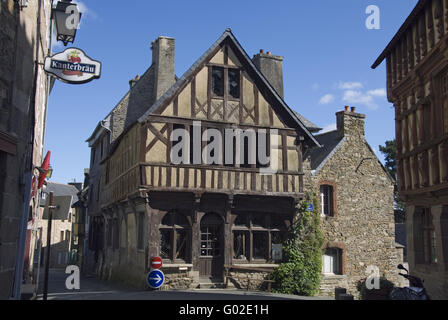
(241, 245)
(175, 237)
(255, 234)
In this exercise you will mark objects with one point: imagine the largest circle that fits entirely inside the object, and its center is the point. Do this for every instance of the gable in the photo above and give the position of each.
(197, 99)
(190, 96)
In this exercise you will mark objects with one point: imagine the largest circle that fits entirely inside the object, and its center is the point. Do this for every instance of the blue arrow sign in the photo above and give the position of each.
(155, 279)
(310, 208)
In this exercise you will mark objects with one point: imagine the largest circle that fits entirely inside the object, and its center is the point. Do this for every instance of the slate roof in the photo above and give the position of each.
(330, 142)
(61, 190)
(308, 124)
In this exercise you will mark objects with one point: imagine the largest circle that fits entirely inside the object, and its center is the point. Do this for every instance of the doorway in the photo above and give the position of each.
(211, 248)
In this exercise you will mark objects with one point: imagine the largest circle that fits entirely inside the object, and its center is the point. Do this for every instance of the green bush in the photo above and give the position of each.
(300, 271)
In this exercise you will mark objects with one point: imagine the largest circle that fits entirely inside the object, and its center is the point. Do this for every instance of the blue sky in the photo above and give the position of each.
(327, 48)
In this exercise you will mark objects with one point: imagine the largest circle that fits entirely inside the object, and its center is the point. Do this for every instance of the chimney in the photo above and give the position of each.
(350, 123)
(163, 61)
(132, 82)
(271, 67)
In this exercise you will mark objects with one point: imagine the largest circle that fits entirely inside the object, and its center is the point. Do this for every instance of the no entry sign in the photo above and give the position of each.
(156, 263)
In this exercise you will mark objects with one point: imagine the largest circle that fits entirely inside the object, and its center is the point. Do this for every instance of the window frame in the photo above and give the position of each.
(226, 89)
(250, 229)
(332, 201)
(173, 229)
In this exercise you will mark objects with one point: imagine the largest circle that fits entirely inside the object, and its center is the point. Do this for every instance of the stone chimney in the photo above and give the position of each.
(350, 123)
(272, 68)
(132, 82)
(163, 60)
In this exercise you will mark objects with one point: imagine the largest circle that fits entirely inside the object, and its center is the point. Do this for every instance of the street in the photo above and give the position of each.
(95, 289)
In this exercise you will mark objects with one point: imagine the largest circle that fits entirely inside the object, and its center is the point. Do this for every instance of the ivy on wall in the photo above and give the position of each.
(300, 271)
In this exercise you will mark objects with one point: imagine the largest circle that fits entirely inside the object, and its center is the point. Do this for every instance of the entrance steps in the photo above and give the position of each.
(208, 283)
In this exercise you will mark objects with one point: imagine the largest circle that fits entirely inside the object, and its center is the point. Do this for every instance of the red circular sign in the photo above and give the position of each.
(156, 263)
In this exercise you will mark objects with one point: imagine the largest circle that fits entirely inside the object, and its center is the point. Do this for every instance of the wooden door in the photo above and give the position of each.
(211, 247)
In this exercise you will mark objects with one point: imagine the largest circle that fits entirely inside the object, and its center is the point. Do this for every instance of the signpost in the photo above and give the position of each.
(156, 263)
(73, 66)
(155, 279)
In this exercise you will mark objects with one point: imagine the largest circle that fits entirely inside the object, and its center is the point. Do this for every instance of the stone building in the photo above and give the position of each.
(417, 85)
(61, 229)
(24, 34)
(356, 205)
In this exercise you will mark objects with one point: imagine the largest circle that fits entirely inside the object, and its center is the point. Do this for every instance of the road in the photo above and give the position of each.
(94, 289)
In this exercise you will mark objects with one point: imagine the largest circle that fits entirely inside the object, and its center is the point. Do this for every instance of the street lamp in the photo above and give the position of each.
(66, 16)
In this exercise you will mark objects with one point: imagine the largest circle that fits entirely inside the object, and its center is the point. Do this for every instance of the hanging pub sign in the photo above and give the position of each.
(73, 66)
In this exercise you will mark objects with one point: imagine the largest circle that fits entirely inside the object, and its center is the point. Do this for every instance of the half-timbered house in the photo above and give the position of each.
(202, 218)
(417, 74)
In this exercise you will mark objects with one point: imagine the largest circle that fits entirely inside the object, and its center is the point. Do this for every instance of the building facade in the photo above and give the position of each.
(417, 73)
(63, 221)
(200, 218)
(24, 35)
(356, 198)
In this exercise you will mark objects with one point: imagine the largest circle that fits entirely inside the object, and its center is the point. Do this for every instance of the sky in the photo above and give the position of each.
(327, 50)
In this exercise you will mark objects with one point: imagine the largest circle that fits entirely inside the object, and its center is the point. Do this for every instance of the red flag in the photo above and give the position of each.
(43, 173)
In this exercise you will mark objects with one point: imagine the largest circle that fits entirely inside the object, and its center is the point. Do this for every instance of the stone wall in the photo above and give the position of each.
(19, 103)
(248, 280)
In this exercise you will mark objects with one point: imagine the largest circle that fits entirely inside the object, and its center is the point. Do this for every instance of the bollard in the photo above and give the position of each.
(338, 292)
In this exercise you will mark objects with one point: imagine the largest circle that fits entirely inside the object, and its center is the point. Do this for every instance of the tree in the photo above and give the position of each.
(300, 271)
(389, 152)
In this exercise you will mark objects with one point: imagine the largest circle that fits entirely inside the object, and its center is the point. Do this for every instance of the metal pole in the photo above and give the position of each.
(47, 257)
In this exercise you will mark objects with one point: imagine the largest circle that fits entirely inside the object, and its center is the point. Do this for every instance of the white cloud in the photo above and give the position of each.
(326, 99)
(329, 128)
(360, 98)
(381, 93)
(350, 85)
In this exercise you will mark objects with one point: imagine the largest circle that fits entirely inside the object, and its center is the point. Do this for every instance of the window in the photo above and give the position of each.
(220, 86)
(98, 192)
(332, 261)
(116, 230)
(175, 237)
(218, 81)
(62, 236)
(234, 83)
(326, 200)
(93, 155)
(67, 235)
(444, 84)
(255, 234)
(424, 237)
(444, 234)
(109, 233)
(141, 230)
